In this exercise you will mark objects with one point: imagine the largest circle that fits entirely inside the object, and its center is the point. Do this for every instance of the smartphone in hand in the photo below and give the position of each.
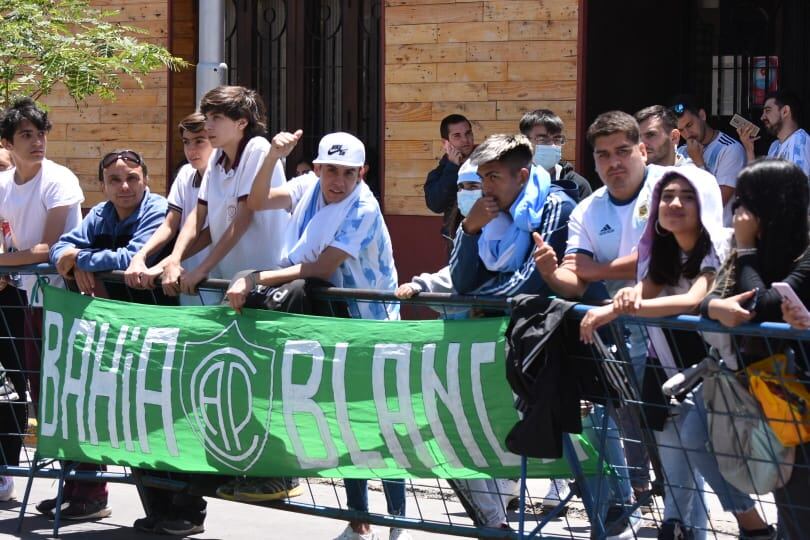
(787, 293)
(738, 122)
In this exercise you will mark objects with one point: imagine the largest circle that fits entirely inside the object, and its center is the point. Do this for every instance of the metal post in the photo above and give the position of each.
(211, 70)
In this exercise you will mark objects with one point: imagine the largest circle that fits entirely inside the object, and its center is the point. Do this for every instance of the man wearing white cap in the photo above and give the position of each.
(336, 232)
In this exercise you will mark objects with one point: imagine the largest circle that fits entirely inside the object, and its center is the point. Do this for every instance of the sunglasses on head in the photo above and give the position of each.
(679, 109)
(130, 156)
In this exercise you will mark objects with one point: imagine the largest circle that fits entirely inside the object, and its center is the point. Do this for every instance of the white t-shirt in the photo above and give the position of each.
(607, 229)
(796, 148)
(183, 199)
(26, 206)
(724, 158)
(364, 236)
(260, 246)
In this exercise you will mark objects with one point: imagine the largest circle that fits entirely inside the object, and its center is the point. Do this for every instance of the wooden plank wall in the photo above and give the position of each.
(489, 60)
(137, 119)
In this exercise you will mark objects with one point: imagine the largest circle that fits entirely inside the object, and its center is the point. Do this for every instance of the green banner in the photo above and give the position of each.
(202, 389)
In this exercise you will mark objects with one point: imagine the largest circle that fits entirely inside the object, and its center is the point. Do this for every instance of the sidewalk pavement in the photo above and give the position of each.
(228, 520)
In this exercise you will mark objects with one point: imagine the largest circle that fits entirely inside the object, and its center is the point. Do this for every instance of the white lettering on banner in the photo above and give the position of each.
(451, 398)
(51, 352)
(582, 455)
(401, 354)
(103, 383)
(297, 398)
(162, 397)
(361, 458)
(76, 386)
(93, 382)
(126, 421)
(484, 353)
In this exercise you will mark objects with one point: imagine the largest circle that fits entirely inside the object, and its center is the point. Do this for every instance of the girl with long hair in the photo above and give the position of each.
(679, 255)
(771, 237)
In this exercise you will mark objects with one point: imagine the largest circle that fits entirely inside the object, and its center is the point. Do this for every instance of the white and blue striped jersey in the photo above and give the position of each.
(796, 148)
(724, 158)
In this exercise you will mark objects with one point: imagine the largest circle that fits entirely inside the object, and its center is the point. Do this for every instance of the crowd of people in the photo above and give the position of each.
(701, 228)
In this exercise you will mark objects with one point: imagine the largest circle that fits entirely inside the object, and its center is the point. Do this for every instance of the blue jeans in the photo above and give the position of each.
(609, 490)
(357, 495)
(638, 460)
(687, 463)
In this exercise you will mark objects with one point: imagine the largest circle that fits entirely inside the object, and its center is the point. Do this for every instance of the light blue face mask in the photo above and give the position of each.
(466, 200)
(547, 155)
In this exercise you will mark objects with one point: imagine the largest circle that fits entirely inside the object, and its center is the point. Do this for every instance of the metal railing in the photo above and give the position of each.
(596, 493)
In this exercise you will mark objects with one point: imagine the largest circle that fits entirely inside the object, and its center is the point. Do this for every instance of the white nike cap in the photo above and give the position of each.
(341, 149)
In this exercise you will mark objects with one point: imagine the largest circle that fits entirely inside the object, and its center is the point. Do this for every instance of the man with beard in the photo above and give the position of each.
(660, 135)
(709, 148)
(781, 116)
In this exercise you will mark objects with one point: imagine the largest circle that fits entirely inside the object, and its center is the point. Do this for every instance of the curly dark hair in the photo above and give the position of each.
(22, 109)
(776, 192)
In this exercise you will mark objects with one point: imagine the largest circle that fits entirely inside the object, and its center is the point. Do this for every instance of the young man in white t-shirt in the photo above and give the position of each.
(182, 203)
(40, 200)
(240, 237)
(709, 148)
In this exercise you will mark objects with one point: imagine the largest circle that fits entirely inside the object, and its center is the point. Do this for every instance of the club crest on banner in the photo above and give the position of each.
(227, 396)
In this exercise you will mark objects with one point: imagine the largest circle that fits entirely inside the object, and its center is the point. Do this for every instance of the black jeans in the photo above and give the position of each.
(793, 499)
(13, 410)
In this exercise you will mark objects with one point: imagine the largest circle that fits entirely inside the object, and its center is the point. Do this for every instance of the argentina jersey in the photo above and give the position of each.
(724, 157)
(796, 148)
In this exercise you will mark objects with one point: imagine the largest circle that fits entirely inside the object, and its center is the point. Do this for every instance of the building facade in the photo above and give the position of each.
(390, 70)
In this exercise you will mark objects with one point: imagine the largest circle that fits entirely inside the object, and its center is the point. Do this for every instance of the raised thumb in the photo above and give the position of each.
(538, 240)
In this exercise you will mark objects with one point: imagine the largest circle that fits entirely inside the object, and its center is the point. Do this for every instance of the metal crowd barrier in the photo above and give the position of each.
(650, 459)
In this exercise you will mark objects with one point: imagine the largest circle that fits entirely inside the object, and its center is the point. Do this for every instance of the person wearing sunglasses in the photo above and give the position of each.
(709, 148)
(107, 239)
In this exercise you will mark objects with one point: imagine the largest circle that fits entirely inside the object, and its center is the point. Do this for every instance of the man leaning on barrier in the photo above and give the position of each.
(603, 232)
(106, 240)
(39, 200)
(336, 234)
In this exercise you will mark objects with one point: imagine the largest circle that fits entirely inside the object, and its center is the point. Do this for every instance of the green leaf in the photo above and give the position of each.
(47, 42)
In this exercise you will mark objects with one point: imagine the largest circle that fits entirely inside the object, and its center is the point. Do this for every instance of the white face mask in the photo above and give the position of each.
(547, 155)
(466, 200)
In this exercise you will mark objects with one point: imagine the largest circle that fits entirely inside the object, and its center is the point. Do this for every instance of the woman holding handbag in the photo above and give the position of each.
(771, 236)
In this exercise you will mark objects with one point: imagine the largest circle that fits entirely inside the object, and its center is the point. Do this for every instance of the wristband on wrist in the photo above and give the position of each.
(254, 279)
(746, 251)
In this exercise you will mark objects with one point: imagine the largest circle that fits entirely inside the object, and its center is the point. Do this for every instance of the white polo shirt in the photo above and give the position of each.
(183, 199)
(260, 246)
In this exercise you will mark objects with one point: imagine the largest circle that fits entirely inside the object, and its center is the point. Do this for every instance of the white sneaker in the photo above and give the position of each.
(557, 491)
(400, 534)
(7, 488)
(349, 534)
(510, 492)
